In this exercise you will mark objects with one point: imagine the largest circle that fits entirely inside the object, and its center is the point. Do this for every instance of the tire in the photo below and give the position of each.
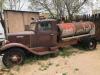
(13, 57)
(91, 44)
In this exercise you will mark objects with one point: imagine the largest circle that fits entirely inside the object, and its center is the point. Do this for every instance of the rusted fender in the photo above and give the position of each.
(11, 45)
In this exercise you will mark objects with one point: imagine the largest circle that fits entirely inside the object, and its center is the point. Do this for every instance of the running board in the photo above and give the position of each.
(47, 52)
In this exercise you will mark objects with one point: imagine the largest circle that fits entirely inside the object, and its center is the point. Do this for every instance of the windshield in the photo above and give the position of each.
(44, 26)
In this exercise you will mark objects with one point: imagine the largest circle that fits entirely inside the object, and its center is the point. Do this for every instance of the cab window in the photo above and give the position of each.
(44, 26)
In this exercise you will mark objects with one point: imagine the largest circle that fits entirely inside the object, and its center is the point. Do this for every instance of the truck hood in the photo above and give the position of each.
(21, 37)
(22, 33)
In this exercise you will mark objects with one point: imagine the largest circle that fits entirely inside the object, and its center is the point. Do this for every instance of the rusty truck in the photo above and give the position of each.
(45, 37)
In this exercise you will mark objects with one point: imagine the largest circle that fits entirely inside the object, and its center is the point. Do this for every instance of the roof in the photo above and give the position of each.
(44, 20)
(21, 11)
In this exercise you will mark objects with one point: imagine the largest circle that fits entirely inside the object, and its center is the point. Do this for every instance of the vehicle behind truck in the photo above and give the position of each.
(2, 34)
(46, 37)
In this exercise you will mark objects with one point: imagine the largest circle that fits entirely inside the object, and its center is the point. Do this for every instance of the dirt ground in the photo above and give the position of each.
(78, 63)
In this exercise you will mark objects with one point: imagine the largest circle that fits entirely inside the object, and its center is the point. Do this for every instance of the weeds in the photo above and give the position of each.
(34, 58)
(65, 52)
(49, 64)
(76, 69)
(44, 67)
(57, 65)
(64, 74)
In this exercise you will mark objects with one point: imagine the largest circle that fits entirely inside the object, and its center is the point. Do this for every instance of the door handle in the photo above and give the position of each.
(52, 34)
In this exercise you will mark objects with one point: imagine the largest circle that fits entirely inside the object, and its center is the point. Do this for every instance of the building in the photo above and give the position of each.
(18, 21)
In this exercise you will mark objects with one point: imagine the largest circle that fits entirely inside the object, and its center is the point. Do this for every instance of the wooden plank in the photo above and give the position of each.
(16, 20)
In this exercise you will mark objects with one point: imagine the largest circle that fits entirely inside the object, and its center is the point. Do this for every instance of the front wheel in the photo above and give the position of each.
(13, 57)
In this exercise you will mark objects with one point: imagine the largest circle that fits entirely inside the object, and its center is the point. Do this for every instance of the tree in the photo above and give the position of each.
(42, 4)
(52, 6)
(73, 6)
(14, 4)
(2, 5)
(60, 6)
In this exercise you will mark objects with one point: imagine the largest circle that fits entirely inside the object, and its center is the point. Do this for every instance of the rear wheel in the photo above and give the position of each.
(13, 57)
(91, 44)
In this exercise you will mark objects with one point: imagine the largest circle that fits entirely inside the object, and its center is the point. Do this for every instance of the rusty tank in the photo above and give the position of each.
(76, 28)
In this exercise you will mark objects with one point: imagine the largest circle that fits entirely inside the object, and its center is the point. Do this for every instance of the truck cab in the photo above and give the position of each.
(45, 33)
(40, 34)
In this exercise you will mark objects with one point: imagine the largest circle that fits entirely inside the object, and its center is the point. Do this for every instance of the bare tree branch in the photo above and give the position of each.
(73, 6)
(44, 4)
(60, 6)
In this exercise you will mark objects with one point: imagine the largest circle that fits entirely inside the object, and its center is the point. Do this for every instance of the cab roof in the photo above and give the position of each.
(44, 20)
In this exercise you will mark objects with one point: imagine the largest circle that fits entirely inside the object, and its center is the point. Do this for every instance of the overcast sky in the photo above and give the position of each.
(87, 8)
(26, 3)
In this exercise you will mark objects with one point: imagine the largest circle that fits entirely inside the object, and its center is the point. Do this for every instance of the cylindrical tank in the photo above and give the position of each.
(76, 28)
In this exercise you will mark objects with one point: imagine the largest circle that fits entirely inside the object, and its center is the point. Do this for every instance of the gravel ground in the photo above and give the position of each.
(78, 63)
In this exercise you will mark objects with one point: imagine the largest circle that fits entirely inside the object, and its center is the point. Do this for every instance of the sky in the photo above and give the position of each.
(87, 8)
(26, 3)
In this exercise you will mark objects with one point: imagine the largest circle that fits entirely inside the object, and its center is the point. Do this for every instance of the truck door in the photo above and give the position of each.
(47, 36)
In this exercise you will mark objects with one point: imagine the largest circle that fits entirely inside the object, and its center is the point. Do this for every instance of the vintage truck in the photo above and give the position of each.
(46, 37)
